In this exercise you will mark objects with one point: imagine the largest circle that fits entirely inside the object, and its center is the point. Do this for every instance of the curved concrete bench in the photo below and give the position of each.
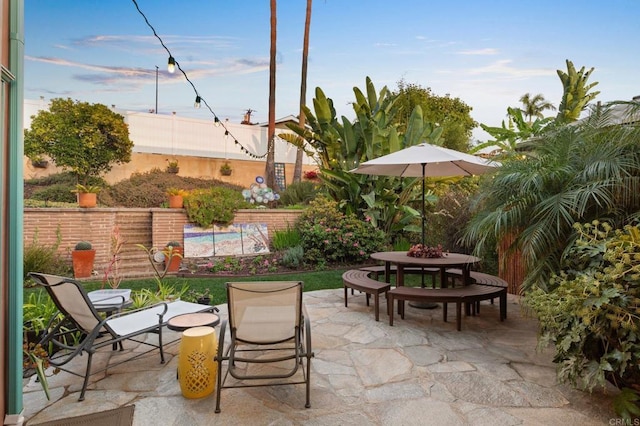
(469, 295)
(359, 280)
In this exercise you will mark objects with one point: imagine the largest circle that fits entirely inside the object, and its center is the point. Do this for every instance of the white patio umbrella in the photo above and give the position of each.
(426, 160)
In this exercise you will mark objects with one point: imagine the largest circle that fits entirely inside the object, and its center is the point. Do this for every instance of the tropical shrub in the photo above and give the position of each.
(592, 315)
(342, 145)
(329, 235)
(576, 173)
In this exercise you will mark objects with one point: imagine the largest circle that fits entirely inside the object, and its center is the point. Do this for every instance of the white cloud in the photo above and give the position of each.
(503, 67)
(486, 51)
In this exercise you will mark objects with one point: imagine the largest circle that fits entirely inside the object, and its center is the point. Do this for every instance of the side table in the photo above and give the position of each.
(198, 319)
(198, 346)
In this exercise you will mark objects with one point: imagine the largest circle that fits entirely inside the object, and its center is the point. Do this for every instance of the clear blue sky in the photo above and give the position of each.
(488, 53)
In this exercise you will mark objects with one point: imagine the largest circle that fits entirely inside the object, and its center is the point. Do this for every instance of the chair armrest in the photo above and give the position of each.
(115, 305)
(220, 355)
(307, 330)
(133, 311)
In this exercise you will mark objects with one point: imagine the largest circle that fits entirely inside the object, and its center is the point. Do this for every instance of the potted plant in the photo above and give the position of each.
(39, 162)
(225, 169)
(201, 297)
(83, 256)
(176, 197)
(172, 166)
(172, 256)
(87, 195)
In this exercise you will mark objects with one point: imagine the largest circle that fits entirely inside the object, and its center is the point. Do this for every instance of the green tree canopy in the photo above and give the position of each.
(87, 139)
(452, 114)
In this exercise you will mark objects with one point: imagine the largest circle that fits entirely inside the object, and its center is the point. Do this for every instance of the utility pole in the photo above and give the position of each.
(156, 110)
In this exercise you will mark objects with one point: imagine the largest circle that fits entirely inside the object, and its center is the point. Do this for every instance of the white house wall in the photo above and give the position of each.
(176, 135)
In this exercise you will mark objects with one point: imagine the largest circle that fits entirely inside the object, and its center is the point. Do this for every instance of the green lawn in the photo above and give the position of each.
(320, 280)
(312, 281)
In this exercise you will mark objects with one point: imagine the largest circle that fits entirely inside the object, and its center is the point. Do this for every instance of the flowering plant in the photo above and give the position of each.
(419, 250)
(310, 175)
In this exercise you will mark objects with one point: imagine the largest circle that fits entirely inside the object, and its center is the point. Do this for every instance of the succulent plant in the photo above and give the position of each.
(84, 245)
(176, 191)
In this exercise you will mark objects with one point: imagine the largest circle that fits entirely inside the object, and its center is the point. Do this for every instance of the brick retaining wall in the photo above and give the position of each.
(151, 227)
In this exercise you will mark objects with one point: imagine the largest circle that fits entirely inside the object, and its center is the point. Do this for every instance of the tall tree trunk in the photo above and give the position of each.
(297, 171)
(270, 168)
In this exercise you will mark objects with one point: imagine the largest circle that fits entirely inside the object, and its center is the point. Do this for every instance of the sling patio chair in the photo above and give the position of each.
(80, 317)
(269, 337)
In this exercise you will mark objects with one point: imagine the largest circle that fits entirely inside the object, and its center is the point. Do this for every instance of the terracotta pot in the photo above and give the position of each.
(87, 199)
(175, 201)
(83, 262)
(174, 263)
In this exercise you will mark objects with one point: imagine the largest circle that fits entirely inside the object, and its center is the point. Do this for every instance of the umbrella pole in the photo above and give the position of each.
(423, 305)
(424, 219)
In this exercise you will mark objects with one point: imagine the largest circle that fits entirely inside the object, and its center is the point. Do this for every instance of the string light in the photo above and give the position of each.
(172, 65)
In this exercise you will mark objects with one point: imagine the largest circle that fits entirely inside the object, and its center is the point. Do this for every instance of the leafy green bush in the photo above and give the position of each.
(149, 189)
(37, 311)
(56, 187)
(293, 257)
(217, 205)
(143, 189)
(331, 236)
(44, 258)
(592, 312)
(58, 192)
(284, 239)
(299, 193)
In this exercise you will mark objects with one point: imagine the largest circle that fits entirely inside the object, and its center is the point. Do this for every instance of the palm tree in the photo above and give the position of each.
(297, 171)
(575, 173)
(270, 167)
(533, 106)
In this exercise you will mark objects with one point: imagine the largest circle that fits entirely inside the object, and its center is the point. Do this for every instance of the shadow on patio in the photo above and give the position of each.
(420, 371)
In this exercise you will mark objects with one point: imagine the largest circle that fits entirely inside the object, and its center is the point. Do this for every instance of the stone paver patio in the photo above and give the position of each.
(421, 371)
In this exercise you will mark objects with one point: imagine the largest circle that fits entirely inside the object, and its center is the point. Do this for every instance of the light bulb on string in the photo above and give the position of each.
(171, 66)
(216, 121)
(196, 104)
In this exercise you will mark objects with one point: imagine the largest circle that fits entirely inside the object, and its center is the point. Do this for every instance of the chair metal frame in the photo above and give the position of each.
(295, 345)
(97, 331)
